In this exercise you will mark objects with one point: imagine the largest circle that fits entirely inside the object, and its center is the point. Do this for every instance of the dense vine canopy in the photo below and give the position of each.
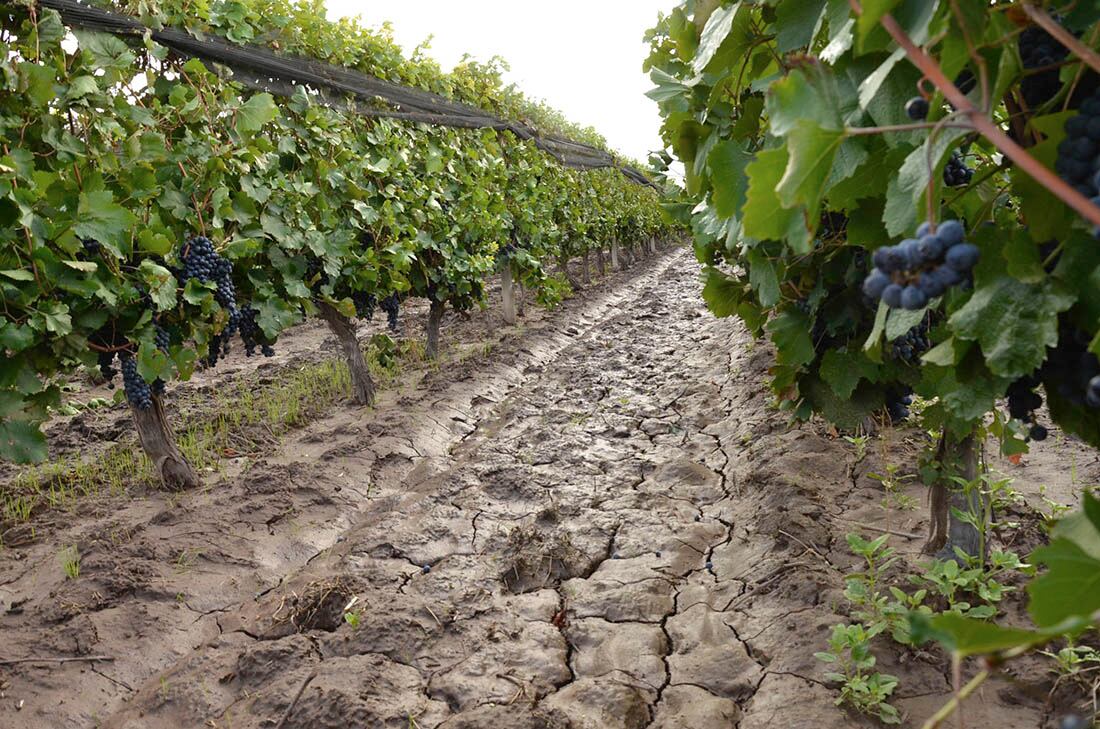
(115, 153)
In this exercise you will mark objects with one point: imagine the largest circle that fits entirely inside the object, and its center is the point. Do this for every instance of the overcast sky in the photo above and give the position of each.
(583, 57)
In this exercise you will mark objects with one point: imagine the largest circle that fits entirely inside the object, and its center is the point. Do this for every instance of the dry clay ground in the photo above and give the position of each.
(601, 525)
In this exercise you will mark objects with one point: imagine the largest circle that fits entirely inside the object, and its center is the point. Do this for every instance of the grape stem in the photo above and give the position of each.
(1042, 18)
(983, 124)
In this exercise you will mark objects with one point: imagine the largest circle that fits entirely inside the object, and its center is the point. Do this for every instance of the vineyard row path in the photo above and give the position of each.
(604, 525)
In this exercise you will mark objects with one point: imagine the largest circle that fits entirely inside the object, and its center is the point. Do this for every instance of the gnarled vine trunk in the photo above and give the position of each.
(601, 263)
(159, 443)
(563, 267)
(587, 275)
(435, 319)
(362, 385)
(947, 531)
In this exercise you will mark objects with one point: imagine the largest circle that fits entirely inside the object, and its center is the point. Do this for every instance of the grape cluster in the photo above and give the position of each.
(364, 304)
(917, 270)
(910, 346)
(138, 392)
(251, 334)
(392, 306)
(161, 338)
(956, 173)
(91, 246)
(1077, 153)
(1074, 368)
(898, 403)
(202, 262)
(1023, 401)
(1039, 49)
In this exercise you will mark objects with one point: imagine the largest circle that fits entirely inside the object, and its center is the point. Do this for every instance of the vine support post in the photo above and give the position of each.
(159, 443)
(615, 255)
(652, 244)
(362, 385)
(508, 296)
(601, 262)
(948, 531)
(521, 308)
(435, 319)
(586, 276)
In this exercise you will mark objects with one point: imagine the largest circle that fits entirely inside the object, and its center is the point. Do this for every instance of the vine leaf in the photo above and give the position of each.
(1014, 322)
(797, 20)
(254, 113)
(727, 163)
(722, 293)
(1071, 585)
(714, 33)
(843, 370)
(101, 219)
(22, 442)
(765, 217)
(791, 333)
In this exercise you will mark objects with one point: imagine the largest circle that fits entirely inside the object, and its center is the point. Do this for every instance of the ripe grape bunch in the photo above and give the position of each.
(1077, 154)
(956, 173)
(1074, 368)
(898, 403)
(364, 304)
(1039, 49)
(138, 392)
(910, 346)
(1023, 401)
(917, 270)
(250, 334)
(391, 305)
(202, 262)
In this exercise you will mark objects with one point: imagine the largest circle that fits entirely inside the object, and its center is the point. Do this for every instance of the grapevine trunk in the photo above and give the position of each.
(508, 294)
(948, 532)
(159, 443)
(435, 318)
(362, 386)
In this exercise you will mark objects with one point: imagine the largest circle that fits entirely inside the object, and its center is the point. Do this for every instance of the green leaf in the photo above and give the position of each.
(37, 82)
(1014, 322)
(727, 163)
(254, 113)
(901, 321)
(1071, 585)
(791, 333)
(161, 283)
(843, 370)
(764, 215)
(763, 278)
(22, 442)
(18, 274)
(807, 96)
(812, 151)
(796, 21)
(714, 33)
(101, 219)
(722, 293)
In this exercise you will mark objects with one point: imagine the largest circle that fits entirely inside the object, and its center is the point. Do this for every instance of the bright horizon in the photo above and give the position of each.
(584, 59)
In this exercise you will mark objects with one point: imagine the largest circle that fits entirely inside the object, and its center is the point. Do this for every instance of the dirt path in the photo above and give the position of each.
(603, 526)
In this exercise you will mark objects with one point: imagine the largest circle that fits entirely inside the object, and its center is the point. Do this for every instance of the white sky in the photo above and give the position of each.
(582, 57)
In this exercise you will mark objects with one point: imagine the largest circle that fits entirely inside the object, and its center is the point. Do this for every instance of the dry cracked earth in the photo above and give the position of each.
(602, 525)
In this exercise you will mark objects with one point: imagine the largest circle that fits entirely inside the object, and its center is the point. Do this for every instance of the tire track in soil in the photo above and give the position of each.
(610, 530)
